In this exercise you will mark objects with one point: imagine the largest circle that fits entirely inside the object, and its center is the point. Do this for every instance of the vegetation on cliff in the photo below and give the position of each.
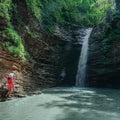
(14, 42)
(49, 13)
(104, 56)
(81, 12)
(111, 35)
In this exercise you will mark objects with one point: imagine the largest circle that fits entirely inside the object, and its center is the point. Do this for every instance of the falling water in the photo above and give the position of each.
(81, 73)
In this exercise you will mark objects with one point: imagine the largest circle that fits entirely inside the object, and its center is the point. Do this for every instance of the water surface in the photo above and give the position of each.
(64, 104)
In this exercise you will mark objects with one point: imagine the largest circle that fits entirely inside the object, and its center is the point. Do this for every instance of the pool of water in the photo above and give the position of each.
(64, 104)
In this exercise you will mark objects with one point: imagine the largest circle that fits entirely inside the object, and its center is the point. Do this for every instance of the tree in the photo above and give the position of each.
(117, 4)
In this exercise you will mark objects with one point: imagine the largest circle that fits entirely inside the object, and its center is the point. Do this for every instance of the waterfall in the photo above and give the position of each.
(81, 73)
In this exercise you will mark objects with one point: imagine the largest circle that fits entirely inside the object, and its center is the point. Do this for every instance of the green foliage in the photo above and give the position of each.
(52, 12)
(32, 34)
(35, 6)
(14, 44)
(81, 12)
(112, 33)
(5, 7)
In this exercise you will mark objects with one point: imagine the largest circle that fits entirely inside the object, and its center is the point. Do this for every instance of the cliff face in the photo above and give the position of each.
(46, 53)
(39, 70)
(23, 34)
(104, 53)
(8, 63)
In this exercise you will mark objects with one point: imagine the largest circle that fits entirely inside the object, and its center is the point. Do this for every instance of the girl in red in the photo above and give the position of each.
(10, 80)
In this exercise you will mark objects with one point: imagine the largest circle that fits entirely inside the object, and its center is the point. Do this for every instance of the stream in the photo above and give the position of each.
(69, 103)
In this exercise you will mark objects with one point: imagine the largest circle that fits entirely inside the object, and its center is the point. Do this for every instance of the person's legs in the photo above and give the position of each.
(10, 89)
(9, 92)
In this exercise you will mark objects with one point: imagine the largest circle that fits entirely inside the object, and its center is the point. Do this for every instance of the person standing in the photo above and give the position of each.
(10, 84)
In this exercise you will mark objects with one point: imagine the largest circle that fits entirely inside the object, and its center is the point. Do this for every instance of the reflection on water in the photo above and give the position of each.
(64, 104)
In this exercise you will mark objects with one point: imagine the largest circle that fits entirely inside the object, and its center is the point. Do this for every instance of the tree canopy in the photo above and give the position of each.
(81, 12)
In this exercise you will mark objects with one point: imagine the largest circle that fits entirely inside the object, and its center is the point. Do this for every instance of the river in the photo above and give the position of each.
(64, 104)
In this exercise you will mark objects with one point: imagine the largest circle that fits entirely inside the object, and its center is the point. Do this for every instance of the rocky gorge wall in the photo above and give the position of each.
(48, 54)
(38, 71)
(104, 53)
